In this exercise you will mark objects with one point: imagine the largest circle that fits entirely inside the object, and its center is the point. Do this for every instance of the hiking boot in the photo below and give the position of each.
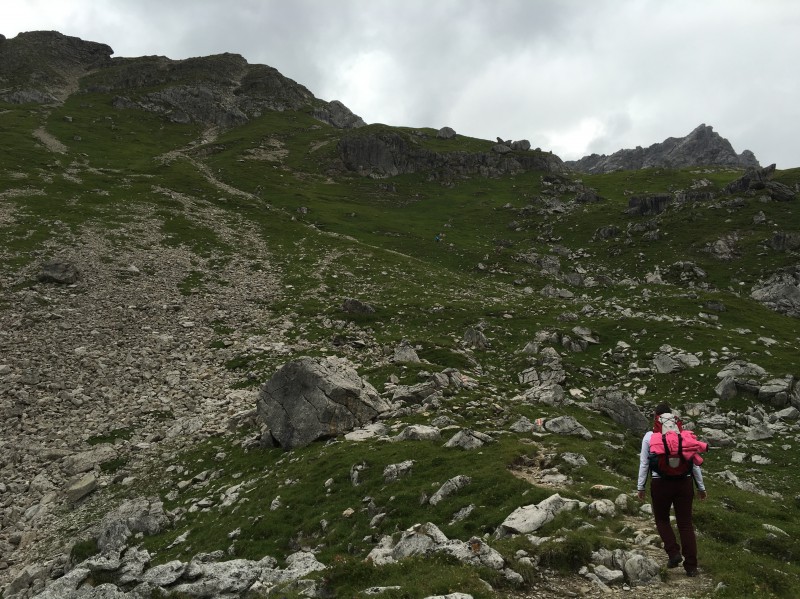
(674, 561)
(691, 573)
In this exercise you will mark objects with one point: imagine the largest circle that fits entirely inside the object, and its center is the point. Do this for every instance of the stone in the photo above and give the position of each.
(642, 570)
(405, 353)
(468, 439)
(414, 393)
(529, 376)
(666, 364)
(310, 398)
(530, 518)
(567, 425)
(61, 273)
(740, 369)
(145, 515)
(760, 432)
(522, 145)
(88, 460)
(370, 431)
(446, 133)
(164, 574)
(622, 409)
(790, 413)
(602, 508)
(419, 432)
(475, 339)
(449, 488)
(523, 425)
(776, 392)
(81, 487)
(726, 388)
(62, 588)
(718, 438)
(575, 460)
(218, 579)
(608, 576)
(424, 539)
(132, 566)
(549, 393)
(355, 306)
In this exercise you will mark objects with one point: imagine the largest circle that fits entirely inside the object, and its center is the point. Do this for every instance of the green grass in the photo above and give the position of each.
(110, 437)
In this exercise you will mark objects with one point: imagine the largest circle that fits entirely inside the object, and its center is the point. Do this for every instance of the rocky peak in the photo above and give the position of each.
(44, 66)
(702, 147)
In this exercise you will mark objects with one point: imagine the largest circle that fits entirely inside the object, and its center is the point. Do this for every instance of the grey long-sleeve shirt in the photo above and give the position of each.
(644, 466)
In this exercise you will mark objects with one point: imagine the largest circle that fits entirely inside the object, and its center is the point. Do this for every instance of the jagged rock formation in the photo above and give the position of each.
(758, 179)
(222, 90)
(388, 154)
(702, 147)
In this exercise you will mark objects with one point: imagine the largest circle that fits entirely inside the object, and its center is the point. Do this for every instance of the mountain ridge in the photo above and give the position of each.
(223, 90)
(701, 147)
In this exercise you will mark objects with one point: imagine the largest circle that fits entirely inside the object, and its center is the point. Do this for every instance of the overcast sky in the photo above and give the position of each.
(572, 76)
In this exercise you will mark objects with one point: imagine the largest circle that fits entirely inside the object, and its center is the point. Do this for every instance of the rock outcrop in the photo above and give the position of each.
(756, 180)
(780, 291)
(388, 154)
(702, 147)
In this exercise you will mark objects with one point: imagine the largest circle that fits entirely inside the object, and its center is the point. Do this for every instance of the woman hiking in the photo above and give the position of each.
(672, 490)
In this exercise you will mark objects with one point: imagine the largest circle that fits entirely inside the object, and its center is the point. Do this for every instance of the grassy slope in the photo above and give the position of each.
(427, 292)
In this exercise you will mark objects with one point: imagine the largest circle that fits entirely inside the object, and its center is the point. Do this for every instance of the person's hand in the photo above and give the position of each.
(702, 495)
(640, 495)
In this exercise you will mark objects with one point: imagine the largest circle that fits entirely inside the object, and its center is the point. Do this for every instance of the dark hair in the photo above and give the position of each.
(663, 408)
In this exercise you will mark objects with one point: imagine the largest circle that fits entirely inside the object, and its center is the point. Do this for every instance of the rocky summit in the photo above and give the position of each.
(701, 147)
(251, 346)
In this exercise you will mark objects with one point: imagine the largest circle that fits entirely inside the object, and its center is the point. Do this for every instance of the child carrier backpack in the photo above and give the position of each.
(673, 451)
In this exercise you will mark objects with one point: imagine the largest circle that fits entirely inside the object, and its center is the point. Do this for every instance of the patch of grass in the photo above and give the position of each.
(125, 432)
(83, 550)
(192, 283)
(570, 551)
(112, 466)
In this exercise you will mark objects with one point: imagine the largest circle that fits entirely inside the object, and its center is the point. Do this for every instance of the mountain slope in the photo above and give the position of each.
(210, 253)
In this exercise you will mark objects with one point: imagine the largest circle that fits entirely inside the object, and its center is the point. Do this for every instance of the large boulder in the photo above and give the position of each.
(316, 398)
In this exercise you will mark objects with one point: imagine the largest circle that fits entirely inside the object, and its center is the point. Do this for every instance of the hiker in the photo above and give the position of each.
(674, 489)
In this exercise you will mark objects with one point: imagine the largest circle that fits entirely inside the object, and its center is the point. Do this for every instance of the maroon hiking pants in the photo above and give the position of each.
(677, 492)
